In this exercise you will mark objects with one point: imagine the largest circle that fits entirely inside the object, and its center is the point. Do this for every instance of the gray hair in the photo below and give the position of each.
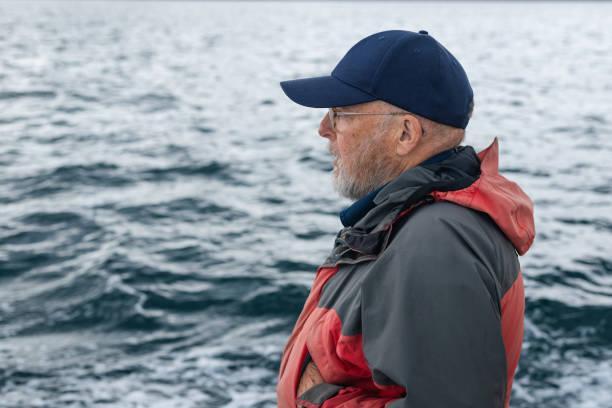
(443, 136)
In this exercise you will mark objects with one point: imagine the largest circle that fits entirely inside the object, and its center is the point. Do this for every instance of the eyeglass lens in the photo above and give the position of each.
(332, 118)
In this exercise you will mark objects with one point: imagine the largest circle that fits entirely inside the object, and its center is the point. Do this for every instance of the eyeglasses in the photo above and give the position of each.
(333, 115)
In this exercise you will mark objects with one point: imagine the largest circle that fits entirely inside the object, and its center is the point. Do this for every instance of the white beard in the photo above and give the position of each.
(373, 171)
(343, 183)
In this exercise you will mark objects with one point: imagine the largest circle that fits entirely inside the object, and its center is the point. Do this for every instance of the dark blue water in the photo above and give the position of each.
(163, 206)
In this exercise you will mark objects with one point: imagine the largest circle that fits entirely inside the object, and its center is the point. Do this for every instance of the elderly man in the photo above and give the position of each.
(420, 302)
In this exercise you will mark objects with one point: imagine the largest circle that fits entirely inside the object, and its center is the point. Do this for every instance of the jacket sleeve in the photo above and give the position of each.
(430, 320)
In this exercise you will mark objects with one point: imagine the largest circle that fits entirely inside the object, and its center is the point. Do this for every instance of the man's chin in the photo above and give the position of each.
(340, 187)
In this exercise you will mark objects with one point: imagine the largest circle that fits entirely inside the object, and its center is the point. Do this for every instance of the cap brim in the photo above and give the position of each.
(324, 92)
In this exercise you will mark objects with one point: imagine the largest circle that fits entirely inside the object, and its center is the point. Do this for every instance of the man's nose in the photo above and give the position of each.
(325, 129)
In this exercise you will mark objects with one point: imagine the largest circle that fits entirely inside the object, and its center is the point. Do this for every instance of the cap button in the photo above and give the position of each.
(423, 32)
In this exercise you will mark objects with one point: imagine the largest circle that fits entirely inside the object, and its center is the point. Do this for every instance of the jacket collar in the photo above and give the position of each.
(457, 171)
(368, 236)
(352, 214)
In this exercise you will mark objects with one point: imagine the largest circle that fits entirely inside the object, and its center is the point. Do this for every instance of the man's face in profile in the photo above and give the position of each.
(361, 147)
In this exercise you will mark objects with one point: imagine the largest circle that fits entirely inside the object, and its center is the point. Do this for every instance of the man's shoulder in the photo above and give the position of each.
(439, 247)
(434, 221)
(447, 229)
(438, 239)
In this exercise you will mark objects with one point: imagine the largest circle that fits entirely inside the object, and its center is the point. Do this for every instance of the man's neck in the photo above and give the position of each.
(430, 156)
(350, 215)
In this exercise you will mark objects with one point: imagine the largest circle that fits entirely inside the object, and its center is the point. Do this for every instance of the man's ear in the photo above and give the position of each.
(412, 131)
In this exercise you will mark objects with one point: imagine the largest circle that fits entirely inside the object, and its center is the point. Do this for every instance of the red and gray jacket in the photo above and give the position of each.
(420, 303)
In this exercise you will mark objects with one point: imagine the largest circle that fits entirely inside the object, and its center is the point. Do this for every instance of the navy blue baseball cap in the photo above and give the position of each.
(410, 70)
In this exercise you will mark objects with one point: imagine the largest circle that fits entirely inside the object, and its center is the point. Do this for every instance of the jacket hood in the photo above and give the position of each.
(503, 200)
(466, 178)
